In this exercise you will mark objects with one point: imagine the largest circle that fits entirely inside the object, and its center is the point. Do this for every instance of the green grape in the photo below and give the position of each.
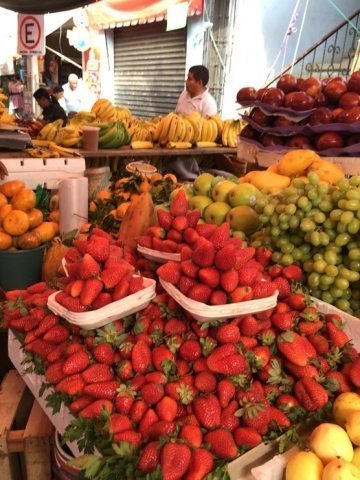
(324, 239)
(318, 256)
(342, 204)
(326, 281)
(275, 231)
(343, 304)
(349, 275)
(274, 220)
(315, 238)
(316, 292)
(294, 222)
(327, 297)
(296, 253)
(324, 288)
(297, 183)
(354, 180)
(354, 304)
(325, 205)
(331, 270)
(292, 199)
(282, 241)
(297, 241)
(300, 214)
(313, 280)
(341, 228)
(331, 234)
(307, 225)
(354, 226)
(347, 293)
(288, 191)
(328, 224)
(335, 292)
(319, 217)
(268, 209)
(303, 202)
(351, 245)
(284, 226)
(290, 209)
(353, 205)
(319, 266)
(280, 207)
(283, 217)
(313, 178)
(343, 184)
(307, 237)
(323, 188)
(336, 195)
(358, 214)
(335, 214)
(316, 201)
(312, 194)
(346, 217)
(264, 219)
(330, 257)
(308, 266)
(342, 239)
(305, 249)
(287, 259)
(287, 248)
(354, 254)
(276, 257)
(341, 283)
(353, 194)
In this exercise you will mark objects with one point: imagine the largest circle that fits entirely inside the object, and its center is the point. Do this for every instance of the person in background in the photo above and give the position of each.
(16, 99)
(77, 96)
(3, 171)
(58, 94)
(51, 110)
(196, 97)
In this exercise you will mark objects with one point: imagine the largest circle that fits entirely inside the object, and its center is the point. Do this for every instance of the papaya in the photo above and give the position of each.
(274, 167)
(327, 171)
(138, 217)
(295, 162)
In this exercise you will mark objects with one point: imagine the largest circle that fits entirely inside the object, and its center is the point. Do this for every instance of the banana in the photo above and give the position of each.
(232, 135)
(157, 132)
(205, 144)
(180, 130)
(214, 130)
(205, 131)
(44, 132)
(108, 135)
(42, 143)
(169, 128)
(71, 142)
(216, 118)
(179, 145)
(195, 123)
(224, 134)
(189, 131)
(137, 145)
(64, 152)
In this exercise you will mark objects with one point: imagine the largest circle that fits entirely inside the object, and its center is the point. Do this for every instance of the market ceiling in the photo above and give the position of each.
(43, 6)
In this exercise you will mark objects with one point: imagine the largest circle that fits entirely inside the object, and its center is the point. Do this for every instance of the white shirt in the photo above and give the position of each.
(62, 103)
(79, 99)
(204, 104)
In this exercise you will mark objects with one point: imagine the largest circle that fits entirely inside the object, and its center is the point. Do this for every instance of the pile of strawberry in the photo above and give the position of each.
(187, 397)
(99, 273)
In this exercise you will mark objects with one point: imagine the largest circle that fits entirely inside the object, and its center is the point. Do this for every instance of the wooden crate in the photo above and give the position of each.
(25, 433)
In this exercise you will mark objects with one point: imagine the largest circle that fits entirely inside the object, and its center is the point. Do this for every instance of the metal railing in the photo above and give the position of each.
(332, 56)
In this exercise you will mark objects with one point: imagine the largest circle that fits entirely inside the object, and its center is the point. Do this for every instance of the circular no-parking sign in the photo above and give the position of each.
(30, 33)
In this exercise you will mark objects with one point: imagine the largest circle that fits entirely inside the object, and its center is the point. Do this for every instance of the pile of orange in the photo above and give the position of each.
(22, 226)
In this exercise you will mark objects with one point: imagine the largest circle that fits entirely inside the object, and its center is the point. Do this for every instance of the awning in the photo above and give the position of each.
(123, 13)
(42, 6)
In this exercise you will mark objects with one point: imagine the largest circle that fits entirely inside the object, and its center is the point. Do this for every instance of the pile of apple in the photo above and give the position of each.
(328, 101)
(334, 447)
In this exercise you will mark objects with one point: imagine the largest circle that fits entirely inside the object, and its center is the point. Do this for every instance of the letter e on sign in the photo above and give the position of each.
(31, 36)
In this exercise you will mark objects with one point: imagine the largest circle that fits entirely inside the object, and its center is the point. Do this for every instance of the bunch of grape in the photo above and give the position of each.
(317, 225)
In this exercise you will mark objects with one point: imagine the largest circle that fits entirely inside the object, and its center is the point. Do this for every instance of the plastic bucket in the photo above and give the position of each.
(90, 138)
(20, 268)
(98, 179)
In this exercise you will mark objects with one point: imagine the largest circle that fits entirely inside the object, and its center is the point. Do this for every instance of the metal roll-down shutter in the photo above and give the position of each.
(149, 68)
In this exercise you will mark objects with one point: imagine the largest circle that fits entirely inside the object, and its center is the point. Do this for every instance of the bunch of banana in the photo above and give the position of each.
(5, 116)
(209, 130)
(104, 110)
(70, 136)
(51, 131)
(82, 118)
(47, 149)
(122, 113)
(142, 132)
(113, 135)
(230, 133)
(173, 128)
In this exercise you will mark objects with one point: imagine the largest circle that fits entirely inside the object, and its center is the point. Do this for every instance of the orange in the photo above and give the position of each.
(104, 195)
(46, 231)
(36, 217)
(16, 222)
(5, 241)
(24, 200)
(56, 227)
(92, 207)
(171, 177)
(121, 209)
(155, 177)
(4, 210)
(3, 200)
(54, 216)
(120, 181)
(11, 187)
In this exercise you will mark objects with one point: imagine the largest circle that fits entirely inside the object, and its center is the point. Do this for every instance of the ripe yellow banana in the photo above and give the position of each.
(196, 124)
(214, 130)
(216, 118)
(224, 134)
(203, 144)
(179, 145)
(166, 121)
(137, 145)
(232, 135)
(189, 131)
(171, 135)
(180, 130)
(205, 131)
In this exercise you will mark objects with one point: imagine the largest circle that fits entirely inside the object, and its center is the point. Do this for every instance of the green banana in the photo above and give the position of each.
(108, 135)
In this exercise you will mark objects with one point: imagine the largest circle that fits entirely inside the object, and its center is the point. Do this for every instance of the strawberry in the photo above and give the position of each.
(164, 218)
(209, 276)
(39, 347)
(263, 289)
(76, 363)
(57, 353)
(292, 273)
(263, 255)
(179, 204)
(283, 321)
(205, 382)
(149, 458)
(225, 390)
(141, 357)
(129, 436)
(20, 323)
(92, 288)
(192, 434)
(103, 353)
(226, 360)
(206, 230)
(190, 235)
(145, 241)
(112, 276)
(320, 343)
(256, 415)
(38, 287)
(54, 372)
(249, 326)
(56, 335)
(193, 217)
(174, 326)
(71, 385)
(229, 280)
(167, 408)
(98, 247)
(207, 410)
(88, 267)
(201, 463)
(180, 223)
(221, 235)
(162, 358)
(152, 393)
(199, 293)
(203, 252)
(308, 348)
(354, 372)
(222, 443)
(80, 403)
(157, 429)
(228, 418)
(218, 297)
(261, 356)
(225, 258)
(155, 231)
(174, 235)
(124, 400)
(175, 459)
(243, 256)
(254, 393)
(103, 299)
(190, 350)
(310, 394)
(170, 272)
(135, 284)
(102, 389)
(189, 268)
(97, 372)
(150, 417)
(241, 294)
(119, 423)
(228, 333)
(248, 276)
(292, 347)
(70, 303)
(309, 328)
(169, 246)
(336, 335)
(286, 402)
(247, 437)
(74, 288)
(279, 419)
(283, 286)
(337, 382)
(121, 290)
(297, 301)
(48, 322)
(300, 372)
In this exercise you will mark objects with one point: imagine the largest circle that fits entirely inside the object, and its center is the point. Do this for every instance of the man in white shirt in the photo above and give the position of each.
(77, 96)
(196, 97)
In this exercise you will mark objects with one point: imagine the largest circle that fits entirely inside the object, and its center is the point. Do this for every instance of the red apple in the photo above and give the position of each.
(349, 100)
(320, 100)
(300, 141)
(270, 140)
(354, 82)
(260, 93)
(311, 82)
(260, 117)
(246, 94)
(329, 140)
(249, 132)
(287, 83)
(300, 83)
(274, 97)
(334, 89)
(351, 115)
(282, 122)
(320, 116)
(298, 101)
(353, 139)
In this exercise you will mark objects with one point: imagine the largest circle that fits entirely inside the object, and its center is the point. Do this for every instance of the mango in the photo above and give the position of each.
(295, 162)
(352, 426)
(304, 466)
(266, 180)
(329, 441)
(327, 171)
(344, 404)
(341, 470)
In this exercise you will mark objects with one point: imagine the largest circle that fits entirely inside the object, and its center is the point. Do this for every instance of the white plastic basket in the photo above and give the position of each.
(207, 313)
(111, 312)
(157, 256)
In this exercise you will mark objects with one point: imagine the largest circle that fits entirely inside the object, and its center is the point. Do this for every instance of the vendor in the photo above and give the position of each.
(51, 109)
(58, 94)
